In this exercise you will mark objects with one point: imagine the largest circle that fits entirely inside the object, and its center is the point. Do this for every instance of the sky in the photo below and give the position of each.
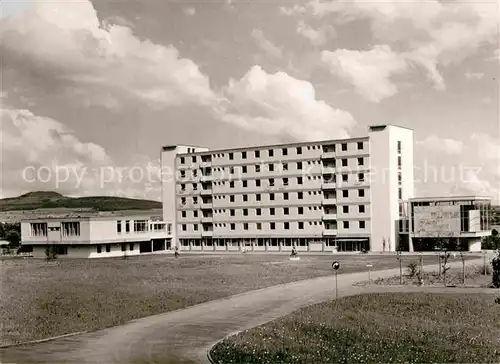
(90, 91)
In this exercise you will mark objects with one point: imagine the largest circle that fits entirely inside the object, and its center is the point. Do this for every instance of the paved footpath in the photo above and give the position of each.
(190, 332)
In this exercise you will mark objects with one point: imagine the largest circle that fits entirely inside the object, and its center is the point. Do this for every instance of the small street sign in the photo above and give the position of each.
(335, 265)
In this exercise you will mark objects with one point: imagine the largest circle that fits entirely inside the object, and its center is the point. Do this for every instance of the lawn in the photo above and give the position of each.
(43, 299)
(375, 328)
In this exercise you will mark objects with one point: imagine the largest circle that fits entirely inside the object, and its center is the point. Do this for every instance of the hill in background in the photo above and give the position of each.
(53, 200)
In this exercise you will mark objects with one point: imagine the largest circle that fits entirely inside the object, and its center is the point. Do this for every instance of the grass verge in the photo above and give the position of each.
(375, 328)
(43, 299)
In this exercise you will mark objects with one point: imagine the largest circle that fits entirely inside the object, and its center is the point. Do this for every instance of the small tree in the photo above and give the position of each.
(420, 273)
(412, 269)
(495, 263)
(444, 264)
(11, 233)
(50, 252)
(14, 238)
(491, 242)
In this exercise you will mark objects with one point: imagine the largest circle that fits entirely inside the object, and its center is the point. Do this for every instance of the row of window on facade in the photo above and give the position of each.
(346, 209)
(283, 166)
(68, 228)
(286, 225)
(271, 167)
(272, 182)
(107, 247)
(139, 226)
(73, 228)
(400, 177)
(142, 226)
(478, 204)
(272, 196)
(342, 245)
(270, 152)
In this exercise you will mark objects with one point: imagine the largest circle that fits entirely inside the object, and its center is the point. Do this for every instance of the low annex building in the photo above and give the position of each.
(462, 221)
(97, 235)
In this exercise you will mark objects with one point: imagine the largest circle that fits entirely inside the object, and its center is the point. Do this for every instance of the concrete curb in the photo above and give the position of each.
(209, 356)
(42, 340)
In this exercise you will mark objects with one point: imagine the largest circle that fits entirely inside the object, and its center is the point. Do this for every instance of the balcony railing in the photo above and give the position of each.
(207, 233)
(329, 216)
(330, 231)
(328, 155)
(328, 170)
(329, 185)
(206, 191)
(329, 200)
(206, 177)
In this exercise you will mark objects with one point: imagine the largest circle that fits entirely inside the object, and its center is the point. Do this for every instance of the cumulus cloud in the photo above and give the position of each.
(266, 44)
(189, 11)
(294, 10)
(431, 35)
(433, 143)
(316, 36)
(369, 71)
(487, 147)
(68, 41)
(482, 153)
(41, 143)
(281, 105)
(474, 75)
(473, 183)
(40, 153)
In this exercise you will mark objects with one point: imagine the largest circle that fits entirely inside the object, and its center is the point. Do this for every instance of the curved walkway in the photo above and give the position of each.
(189, 333)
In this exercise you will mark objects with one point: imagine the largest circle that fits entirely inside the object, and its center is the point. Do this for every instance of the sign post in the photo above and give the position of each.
(336, 266)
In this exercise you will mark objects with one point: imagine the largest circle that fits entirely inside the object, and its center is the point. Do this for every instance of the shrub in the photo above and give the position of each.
(495, 263)
(50, 252)
(484, 270)
(412, 269)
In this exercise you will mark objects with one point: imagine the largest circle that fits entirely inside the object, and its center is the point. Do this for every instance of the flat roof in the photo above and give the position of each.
(448, 198)
(95, 216)
(172, 147)
(386, 125)
(281, 145)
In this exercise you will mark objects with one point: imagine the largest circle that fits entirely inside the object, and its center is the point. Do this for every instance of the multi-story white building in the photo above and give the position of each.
(96, 236)
(317, 196)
